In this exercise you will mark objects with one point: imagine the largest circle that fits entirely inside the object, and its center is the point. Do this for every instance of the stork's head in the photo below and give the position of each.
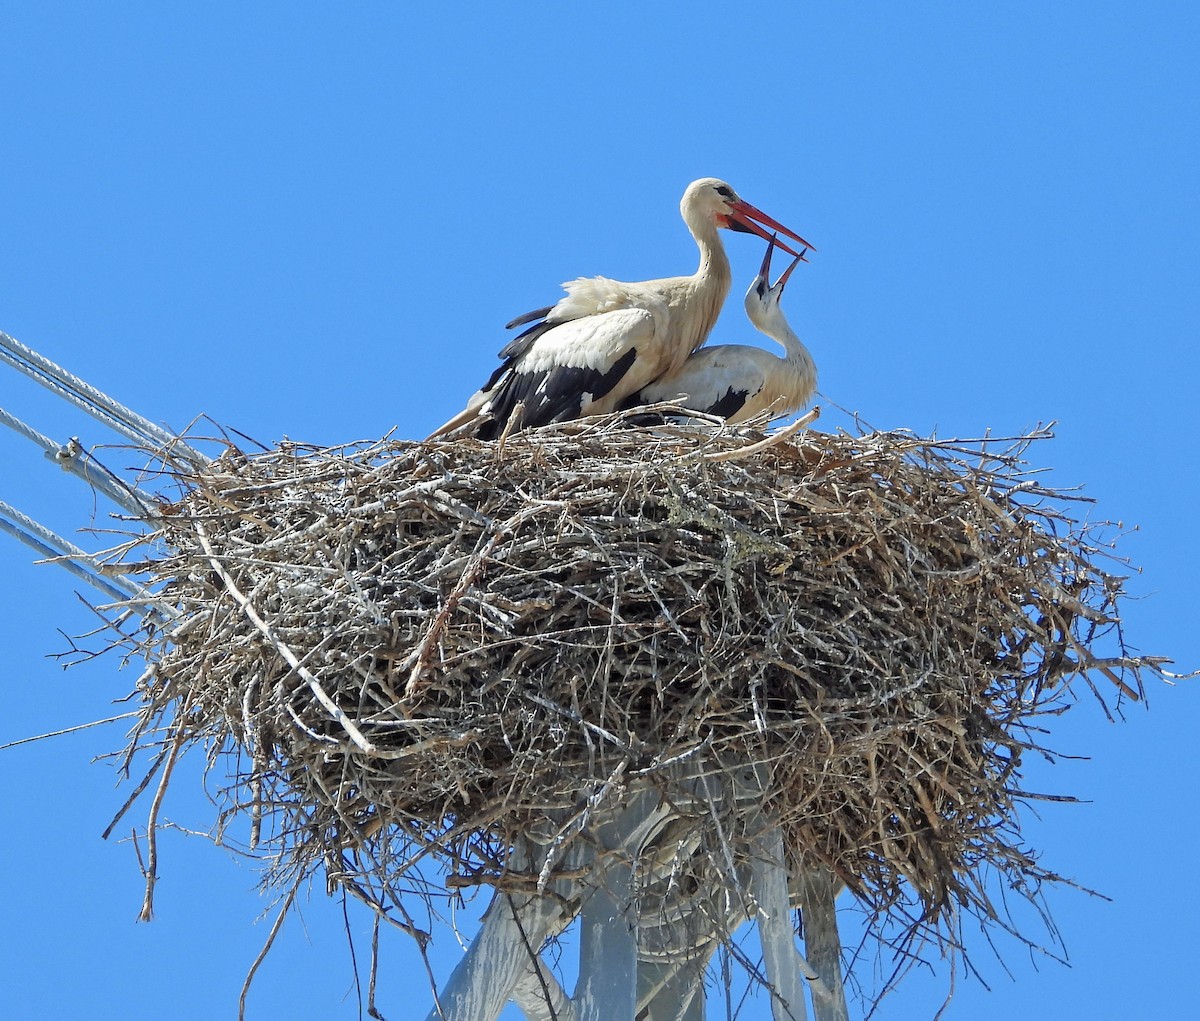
(762, 299)
(709, 197)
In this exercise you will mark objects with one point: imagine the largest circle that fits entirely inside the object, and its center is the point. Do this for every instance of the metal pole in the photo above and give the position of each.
(781, 959)
(608, 948)
(540, 996)
(514, 928)
(823, 946)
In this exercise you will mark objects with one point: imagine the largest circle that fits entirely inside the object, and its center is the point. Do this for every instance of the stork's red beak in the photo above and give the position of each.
(783, 277)
(764, 270)
(742, 216)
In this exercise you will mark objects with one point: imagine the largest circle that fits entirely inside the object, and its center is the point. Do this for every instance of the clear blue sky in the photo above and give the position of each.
(313, 221)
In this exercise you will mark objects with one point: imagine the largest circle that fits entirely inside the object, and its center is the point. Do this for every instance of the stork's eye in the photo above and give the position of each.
(725, 192)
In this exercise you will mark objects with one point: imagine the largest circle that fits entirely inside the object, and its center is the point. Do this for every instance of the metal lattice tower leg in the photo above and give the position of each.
(646, 959)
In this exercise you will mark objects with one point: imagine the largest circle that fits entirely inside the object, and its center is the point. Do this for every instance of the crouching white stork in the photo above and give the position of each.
(738, 382)
(607, 339)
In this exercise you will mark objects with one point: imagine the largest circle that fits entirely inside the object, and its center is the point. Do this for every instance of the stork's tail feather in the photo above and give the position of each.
(464, 417)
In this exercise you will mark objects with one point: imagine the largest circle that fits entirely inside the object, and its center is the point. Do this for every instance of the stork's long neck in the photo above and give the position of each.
(708, 287)
(798, 357)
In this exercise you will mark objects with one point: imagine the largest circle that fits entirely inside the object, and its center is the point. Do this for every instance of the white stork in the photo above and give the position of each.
(607, 339)
(738, 382)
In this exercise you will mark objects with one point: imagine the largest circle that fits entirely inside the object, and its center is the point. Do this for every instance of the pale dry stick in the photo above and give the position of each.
(517, 414)
(137, 792)
(262, 955)
(290, 657)
(151, 871)
(770, 441)
(67, 730)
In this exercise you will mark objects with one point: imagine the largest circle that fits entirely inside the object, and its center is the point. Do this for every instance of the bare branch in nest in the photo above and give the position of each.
(777, 437)
(448, 649)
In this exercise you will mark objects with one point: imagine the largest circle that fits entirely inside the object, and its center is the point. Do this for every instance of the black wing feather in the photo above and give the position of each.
(550, 395)
(728, 405)
(524, 341)
(528, 317)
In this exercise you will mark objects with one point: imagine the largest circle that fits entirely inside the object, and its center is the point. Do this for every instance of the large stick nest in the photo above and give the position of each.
(430, 649)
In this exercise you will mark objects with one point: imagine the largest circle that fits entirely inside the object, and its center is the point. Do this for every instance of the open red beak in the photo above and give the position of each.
(742, 217)
(764, 270)
(783, 277)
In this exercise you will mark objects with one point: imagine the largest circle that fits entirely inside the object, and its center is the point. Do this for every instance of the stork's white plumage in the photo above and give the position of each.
(738, 382)
(607, 339)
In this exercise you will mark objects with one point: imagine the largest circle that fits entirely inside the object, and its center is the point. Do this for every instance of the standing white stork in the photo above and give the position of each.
(607, 339)
(738, 382)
